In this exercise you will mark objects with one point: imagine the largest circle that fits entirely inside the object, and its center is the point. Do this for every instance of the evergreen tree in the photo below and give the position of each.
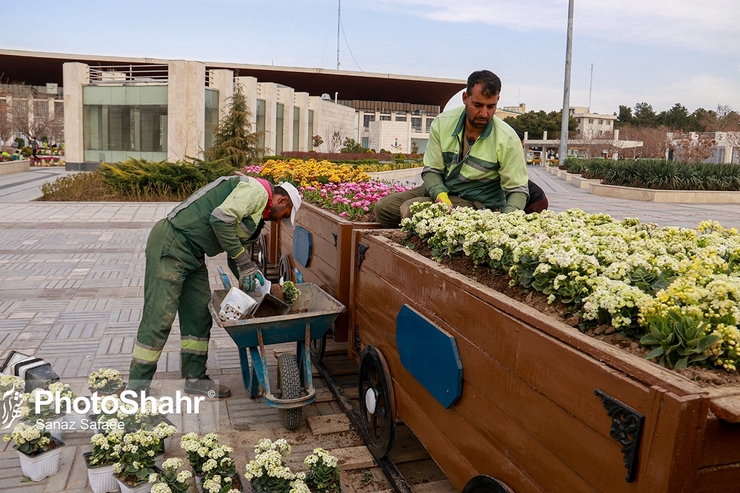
(235, 142)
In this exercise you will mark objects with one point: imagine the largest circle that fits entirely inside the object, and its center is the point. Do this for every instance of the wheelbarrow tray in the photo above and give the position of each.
(313, 306)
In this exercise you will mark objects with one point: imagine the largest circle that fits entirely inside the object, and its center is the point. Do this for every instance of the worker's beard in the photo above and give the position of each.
(276, 212)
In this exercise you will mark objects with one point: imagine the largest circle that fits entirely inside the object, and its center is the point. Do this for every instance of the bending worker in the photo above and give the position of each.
(225, 215)
(473, 159)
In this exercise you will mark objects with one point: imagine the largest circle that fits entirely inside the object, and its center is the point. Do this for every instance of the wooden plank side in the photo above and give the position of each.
(518, 419)
(534, 356)
(672, 442)
(722, 479)
(453, 455)
(721, 444)
(645, 371)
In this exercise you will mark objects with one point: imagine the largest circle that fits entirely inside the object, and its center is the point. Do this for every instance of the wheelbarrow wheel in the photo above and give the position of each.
(377, 405)
(289, 382)
(285, 268)
(486, 484)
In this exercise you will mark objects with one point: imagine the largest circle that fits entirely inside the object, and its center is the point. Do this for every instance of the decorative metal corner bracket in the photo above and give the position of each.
(335, 238)
(626, 429)
(361, 249)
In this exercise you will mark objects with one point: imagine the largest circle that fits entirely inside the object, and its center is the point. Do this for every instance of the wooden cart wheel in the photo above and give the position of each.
(289, 382)
(377, 406)
(261, 248)
(486, 484)
(285, 268)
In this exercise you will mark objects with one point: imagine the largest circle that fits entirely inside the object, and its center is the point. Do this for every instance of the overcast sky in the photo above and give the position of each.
(660, 52)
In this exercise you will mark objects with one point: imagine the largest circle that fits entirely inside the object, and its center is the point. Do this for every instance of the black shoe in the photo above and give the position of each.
(207, 387)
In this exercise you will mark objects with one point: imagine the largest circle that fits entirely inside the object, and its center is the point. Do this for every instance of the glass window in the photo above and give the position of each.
(416, 124)
(428, 123)
(58, 108)
(366, 119)
(260, 124)
(41, 109)
(211, 122)
(400, 118)
(279, 126)
(310, 130)
(385, 118)
(296, 127)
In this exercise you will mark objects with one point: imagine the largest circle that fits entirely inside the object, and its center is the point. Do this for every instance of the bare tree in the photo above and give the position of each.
(693, 146)
(6, 122)
(654, 140)
(29, 121)
(334, 137)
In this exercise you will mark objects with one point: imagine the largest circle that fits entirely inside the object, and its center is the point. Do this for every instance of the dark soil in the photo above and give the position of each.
(704, 377)
(277, 291)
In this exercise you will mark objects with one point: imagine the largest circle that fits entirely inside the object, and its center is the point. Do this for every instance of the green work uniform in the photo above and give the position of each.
(222, 216)
(492, 174)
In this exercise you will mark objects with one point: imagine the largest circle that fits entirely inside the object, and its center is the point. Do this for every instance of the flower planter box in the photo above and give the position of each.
(328, 261)
(100, 478)
(493, 387)
(42, 465)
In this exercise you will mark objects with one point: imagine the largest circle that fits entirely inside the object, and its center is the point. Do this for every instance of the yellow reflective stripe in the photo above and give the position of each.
(194, 345)
(146, 355)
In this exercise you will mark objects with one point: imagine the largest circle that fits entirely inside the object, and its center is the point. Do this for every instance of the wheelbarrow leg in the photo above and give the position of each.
(249, 377)
(303, 357)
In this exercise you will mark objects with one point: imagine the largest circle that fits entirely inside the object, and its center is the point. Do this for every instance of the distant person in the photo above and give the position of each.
(34, 151)
(473, 159)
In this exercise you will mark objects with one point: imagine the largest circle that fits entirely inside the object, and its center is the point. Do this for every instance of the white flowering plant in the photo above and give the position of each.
(107, 445)
(219, 470)
(105, 380)
(10, 383)
(138, 452)
(323, 472)
(268, 472)
(57, 390)
(29, 439)
(198, 449)
(170, 479)
(628, 274)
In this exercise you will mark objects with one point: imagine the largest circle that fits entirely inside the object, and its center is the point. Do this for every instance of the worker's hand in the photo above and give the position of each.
(443, 198)
(249, 273)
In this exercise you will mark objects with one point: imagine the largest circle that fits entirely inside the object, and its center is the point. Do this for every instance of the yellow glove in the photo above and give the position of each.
(442, 197)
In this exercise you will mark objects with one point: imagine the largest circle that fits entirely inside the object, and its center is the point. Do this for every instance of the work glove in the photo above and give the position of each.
(249, 273)
(516, 201)
(443, 198)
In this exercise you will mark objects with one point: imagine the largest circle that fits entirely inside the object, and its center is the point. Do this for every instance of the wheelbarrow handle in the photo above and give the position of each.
(224, 278)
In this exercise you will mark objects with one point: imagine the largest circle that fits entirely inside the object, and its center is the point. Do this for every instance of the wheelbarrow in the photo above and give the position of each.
(310, 316)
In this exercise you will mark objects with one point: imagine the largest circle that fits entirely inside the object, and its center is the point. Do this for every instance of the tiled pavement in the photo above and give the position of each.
(71, 286)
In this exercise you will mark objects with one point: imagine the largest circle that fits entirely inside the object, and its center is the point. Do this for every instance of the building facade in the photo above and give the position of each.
(31, 112)
(592, 125)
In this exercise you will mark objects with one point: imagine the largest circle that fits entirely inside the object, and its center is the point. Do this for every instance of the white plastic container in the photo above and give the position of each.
(236, 305)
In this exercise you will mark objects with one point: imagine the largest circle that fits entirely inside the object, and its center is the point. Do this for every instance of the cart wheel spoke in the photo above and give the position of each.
(376, 401)
(318, 347)
(289, 383)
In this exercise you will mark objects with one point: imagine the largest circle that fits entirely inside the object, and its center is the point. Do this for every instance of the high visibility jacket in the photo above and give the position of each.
(223, 215)
(493, 168)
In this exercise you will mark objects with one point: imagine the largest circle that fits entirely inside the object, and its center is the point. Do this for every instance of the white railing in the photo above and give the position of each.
(128, 74)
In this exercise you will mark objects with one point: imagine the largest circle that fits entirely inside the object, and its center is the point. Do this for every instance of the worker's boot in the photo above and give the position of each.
(207, 387)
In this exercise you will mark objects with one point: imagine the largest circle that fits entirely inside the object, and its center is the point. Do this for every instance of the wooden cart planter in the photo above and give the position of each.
(493, 387)
(320, 246)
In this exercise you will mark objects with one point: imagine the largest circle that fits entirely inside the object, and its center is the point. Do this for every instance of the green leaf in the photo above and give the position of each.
(658, 351)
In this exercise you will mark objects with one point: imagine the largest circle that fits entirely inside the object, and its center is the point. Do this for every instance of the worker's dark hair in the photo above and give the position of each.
(278, 190)
(491, 82)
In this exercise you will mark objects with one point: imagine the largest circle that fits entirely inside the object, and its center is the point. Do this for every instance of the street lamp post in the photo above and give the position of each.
(566, 90)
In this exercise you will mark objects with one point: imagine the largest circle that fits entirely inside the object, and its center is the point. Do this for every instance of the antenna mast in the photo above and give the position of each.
(339, 23)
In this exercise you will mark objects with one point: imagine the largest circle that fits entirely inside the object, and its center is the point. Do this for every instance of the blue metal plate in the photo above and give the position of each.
(430, 355)
(302, 246)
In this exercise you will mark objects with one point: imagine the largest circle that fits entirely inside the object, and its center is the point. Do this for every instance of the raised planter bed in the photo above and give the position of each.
(322, 254)
(493, 387)
(7, 167)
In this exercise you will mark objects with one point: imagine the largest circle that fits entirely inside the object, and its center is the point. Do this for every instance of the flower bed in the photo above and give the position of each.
(675, 289)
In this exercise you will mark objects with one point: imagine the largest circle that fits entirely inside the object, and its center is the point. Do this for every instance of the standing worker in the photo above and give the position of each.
(473, 159)
(223, 216)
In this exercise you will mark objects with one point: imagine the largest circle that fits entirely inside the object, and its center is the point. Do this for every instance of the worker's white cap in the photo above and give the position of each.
(295, 198)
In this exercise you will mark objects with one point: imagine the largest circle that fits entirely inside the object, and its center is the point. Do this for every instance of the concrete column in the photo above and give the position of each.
(267, 91)
(300, 100)
(223, 82)
(74, 76)
(285, 97)
(249, 88)
(186, 110)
